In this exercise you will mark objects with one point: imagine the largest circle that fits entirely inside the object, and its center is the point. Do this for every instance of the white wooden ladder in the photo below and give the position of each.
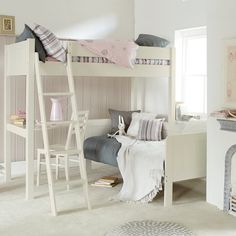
(78, 150)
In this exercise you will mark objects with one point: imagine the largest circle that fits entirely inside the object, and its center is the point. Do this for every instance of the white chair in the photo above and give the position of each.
(72, 157)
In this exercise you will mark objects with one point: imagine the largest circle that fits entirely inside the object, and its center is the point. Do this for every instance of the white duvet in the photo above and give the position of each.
(141, 166)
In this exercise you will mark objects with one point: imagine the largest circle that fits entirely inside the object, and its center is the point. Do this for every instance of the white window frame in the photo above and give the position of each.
(181, 38)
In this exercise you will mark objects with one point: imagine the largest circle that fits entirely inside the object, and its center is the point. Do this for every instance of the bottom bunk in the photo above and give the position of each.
(185, 154)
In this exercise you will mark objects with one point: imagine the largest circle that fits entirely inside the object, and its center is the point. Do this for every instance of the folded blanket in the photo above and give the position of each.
(122, 53)
(141, 166)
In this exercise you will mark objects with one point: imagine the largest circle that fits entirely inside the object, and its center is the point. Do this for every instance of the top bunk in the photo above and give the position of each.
(19, 60)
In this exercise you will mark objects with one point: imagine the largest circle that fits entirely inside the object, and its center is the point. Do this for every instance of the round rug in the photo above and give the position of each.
(150, 228)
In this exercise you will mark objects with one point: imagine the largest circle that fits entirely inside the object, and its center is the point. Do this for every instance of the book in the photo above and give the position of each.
(103, 185)
(106, 181)
(18, 120)
(14, 117)
(17, 117)
(102, 182)
(109, 179)
(19, 124)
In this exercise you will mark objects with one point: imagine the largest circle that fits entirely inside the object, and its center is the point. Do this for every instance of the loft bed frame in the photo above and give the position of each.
(185, 152)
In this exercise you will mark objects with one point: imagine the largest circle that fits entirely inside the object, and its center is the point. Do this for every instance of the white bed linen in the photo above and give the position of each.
(186, 127)
(141, 166)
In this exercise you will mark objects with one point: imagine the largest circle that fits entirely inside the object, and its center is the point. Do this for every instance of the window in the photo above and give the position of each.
(191, 70)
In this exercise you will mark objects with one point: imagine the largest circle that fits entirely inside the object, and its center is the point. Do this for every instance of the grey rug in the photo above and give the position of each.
(150, 228)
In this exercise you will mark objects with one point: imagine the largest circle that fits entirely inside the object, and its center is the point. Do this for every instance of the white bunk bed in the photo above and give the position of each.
(185, 152)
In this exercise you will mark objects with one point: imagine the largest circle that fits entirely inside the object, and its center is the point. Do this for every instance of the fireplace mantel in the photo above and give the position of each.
(227, 124)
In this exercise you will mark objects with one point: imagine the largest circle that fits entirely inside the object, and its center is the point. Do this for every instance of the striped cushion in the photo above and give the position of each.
(51, 43)
(150, 130)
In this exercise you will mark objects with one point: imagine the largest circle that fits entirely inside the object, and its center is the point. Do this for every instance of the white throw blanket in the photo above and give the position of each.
(141, 166)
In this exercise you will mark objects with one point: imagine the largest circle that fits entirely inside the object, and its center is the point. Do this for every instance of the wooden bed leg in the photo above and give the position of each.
(168, 192)
(88, 165)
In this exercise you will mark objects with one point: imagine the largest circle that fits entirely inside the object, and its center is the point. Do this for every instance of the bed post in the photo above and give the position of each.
(29, 142)
(171, 89)
(168, 188)
(7, 147)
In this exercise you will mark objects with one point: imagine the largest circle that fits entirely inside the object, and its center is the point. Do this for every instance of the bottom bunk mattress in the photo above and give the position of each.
(102, 149)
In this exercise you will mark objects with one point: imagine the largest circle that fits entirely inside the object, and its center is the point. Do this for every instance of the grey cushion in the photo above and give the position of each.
(114, 114)
(29, 34)
(151, 41)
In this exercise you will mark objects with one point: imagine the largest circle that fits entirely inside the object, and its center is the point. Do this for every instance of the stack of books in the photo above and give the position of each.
(107, 182)
(18, 120)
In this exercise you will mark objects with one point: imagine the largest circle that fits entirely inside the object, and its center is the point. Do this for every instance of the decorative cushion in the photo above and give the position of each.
(150, 130)
(127, 116)
(51, 43)
(134, 125)
(151, 41)
(28, 33)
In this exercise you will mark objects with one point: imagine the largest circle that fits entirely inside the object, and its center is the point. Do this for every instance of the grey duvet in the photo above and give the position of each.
(102, 149)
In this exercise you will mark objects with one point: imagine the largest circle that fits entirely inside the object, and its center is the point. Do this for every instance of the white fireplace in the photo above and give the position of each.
(229, 169)
(223, 149)
(230, 181)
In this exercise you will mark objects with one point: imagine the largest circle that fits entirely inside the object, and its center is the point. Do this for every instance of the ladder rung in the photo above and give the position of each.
(61, 123)
(57, 94)
(65, 152)
(55, 124)
(59, 149)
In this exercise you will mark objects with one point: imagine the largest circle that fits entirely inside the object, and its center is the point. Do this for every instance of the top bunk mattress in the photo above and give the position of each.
(150, 62)
(144, 55)
(138, 61)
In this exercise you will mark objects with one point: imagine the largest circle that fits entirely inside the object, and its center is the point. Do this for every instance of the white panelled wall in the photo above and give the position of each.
(74, 19)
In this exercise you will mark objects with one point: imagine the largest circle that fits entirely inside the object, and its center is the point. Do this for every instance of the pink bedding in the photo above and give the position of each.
(122, 53)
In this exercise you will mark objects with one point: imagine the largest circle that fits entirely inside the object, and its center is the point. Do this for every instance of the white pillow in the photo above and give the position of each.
(136, 117)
